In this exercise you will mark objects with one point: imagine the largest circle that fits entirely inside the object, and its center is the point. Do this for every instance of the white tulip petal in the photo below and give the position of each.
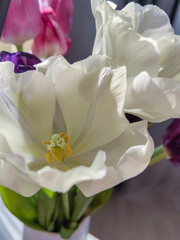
(117, 39)
(10, 145)
(106, 112)
(49, 177)
(4, 145)
(149, 21)
(30, 96)
(48, 68)
(170, 57)
(60, 64)
(154, 99)
(14, 138)
(11, 178)
(7, 47)
(113, 5)
(14, 134)
(43, 66)
(127, 156)
(91, 94)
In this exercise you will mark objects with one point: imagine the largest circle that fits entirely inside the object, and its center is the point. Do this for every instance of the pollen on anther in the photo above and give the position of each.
(46, 143)
(48, 157)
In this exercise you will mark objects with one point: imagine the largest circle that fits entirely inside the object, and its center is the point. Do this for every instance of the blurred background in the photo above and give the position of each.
(146, 207)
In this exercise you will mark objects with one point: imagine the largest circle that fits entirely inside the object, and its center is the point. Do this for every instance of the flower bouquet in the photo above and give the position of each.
(71, 132)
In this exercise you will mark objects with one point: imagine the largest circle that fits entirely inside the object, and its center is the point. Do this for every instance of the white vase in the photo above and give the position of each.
(80, 234)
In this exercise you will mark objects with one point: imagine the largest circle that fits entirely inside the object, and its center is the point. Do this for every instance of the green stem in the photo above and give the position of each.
(65, 201)
(19, 48)
(159, 155)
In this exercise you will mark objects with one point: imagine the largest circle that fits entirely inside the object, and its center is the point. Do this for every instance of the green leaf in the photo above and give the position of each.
(99, 200)
(58, 216)
(22, 207)
(80, 205)
(46, 204)
(48, 192)
(72, 194)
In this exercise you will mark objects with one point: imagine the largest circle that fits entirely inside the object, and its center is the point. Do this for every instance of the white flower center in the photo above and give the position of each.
(59, 148)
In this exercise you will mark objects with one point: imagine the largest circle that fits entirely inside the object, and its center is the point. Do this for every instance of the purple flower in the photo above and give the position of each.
(171, 141)
(22, 61)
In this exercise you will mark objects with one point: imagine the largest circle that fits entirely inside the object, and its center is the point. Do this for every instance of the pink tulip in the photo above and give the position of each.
(22, 22)
(56, 22)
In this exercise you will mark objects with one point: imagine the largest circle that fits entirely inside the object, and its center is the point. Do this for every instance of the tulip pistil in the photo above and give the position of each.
(59, 148)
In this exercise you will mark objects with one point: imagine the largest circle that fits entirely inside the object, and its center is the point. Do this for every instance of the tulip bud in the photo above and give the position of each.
(171, 141)
(22, 22)
(56, 22)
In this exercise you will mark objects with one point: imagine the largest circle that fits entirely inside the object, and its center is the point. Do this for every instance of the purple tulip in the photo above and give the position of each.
(22, 61)
(171, 141)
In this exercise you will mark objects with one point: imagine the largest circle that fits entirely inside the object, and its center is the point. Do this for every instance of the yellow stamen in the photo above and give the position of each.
(68, 150)
(66, 138)
(62, 134)
(59, 148)
(48, 157)
(57, 155)
(46, 143)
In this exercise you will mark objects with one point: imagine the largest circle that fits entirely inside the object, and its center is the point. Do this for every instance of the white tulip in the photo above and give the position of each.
(142, 39)
(64, 125)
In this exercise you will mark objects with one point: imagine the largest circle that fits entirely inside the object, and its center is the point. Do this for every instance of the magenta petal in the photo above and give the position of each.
(56, 22)
(22, 22)
(63, 10)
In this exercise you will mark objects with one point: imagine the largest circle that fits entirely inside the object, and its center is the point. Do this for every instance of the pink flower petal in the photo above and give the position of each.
(56, 22)
(22, 22)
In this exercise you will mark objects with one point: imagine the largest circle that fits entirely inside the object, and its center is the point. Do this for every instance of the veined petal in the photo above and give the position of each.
(30, 98)
(91, 97)
(154, 99)
(150, 21)
(127, 156)
(15, 138)
(117, 39)
(101, 127)
(15, 134)
(49, 177)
